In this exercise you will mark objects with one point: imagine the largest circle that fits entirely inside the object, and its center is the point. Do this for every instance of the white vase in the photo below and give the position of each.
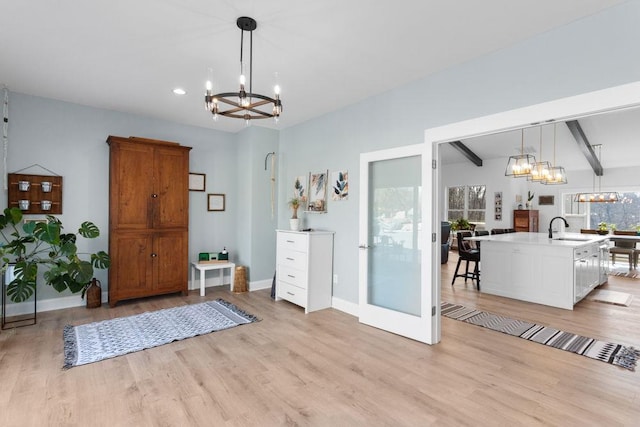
(294, 224)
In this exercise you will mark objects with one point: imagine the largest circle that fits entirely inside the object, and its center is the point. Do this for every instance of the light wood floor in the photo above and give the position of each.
(326, 369)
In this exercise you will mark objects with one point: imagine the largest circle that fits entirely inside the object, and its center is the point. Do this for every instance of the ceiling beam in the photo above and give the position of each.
(585, 146)
(470, 155)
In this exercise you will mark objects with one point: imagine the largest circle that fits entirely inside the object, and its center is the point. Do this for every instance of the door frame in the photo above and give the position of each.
(596, 102)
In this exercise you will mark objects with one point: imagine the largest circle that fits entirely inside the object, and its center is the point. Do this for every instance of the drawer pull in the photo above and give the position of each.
(293, 277)
(290, 293)
(290, 259)
(291, 241)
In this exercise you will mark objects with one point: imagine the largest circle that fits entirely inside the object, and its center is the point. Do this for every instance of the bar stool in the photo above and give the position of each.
(467, 254)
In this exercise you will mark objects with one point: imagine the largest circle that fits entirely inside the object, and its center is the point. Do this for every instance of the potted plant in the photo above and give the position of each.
(529, 199)
(460, 224)
(603, 228)
(294, 222)
(31, 245)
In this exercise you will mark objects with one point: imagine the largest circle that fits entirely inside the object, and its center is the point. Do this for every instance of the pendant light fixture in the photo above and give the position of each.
(598, 196)
(519, 166)
(540, 170)
(242, 104)
(557, 174)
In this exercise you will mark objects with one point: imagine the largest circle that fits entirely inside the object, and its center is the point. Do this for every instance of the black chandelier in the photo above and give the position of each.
(242, 104)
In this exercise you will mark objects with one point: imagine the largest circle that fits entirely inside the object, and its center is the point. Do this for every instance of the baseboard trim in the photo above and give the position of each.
(20, 308)
(345, 306)
(260, 284)
(17, 309)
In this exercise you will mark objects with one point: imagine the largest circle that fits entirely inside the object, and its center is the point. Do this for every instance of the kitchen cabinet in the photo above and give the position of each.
(304, 268)
(531, 267)
(586, 262)
(525, 220)
(148, 218)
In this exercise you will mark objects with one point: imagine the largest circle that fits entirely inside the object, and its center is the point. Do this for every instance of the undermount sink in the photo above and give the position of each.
(572, 239)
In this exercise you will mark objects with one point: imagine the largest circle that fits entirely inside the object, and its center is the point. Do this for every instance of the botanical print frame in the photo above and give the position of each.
(215, 202)
(300, 185)
(498, 205)
(318, 191)
(340, 185)
(197, 181)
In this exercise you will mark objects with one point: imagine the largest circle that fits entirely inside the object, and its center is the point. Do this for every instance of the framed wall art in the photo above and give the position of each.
(318, 192)
(545, 200)
(300, 188)
(215, 202)
(340, 185)
(497, 205)
(197, 181)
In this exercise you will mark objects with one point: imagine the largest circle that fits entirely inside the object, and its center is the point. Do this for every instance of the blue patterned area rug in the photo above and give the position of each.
(615, 354)
(97, 341)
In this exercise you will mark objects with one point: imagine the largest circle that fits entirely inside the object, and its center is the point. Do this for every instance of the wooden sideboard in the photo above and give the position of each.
(525, 220)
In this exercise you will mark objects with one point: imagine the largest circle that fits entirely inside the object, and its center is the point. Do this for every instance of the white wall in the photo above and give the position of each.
(69, 139)
(587, 55)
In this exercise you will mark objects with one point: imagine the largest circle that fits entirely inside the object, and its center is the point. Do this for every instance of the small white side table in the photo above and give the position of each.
(216, 266)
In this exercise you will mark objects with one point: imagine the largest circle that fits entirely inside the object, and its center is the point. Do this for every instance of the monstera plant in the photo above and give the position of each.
(41, 244)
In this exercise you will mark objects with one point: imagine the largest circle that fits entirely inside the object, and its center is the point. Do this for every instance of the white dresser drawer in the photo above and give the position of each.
(292, 276)
(292, 258)
(293, 241)
(292, 293)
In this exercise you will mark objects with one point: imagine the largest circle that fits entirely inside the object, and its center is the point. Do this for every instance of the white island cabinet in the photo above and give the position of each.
(531, 267)
(304, 268)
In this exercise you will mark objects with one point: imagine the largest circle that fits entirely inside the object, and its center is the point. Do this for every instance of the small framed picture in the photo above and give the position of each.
(215, 202)
(545, 200)
(197, 181)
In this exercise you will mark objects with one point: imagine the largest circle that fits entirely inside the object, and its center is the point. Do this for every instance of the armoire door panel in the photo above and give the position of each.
(131, 265)
(172, 186)
(171, 263)
(132, 186)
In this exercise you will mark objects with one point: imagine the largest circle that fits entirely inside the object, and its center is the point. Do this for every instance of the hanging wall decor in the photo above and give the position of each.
(197, 181)
(340, 185)
(215, 202)
(498, 205)
(300, 188)
(318, 192)
(35, 194)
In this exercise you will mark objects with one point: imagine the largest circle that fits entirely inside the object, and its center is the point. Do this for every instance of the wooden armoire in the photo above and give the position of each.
(148, 218)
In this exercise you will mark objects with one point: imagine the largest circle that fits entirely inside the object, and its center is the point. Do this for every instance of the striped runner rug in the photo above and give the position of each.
(615, 354)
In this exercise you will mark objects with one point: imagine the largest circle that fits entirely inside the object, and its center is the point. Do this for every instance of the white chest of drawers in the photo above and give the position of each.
(304, 268)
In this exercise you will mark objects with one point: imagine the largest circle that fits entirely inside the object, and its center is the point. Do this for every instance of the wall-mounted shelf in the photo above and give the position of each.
(35, 194)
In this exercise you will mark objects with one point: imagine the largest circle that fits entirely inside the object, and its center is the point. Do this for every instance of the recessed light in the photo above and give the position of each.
(179, 91)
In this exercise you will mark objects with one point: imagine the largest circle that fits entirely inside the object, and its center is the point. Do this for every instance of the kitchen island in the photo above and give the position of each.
(557, 272)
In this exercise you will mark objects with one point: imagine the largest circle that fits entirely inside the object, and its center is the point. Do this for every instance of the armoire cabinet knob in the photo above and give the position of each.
(155, 196)
(153, 255)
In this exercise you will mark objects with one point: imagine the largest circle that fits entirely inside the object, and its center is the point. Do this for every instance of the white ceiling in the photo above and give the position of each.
(129, 55)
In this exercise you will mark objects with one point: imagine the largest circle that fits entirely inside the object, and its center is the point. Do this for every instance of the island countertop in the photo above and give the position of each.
(557, 272)
(571, 240)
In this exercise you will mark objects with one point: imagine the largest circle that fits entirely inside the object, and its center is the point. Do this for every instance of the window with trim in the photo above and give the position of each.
(467, 201)
(624, 214)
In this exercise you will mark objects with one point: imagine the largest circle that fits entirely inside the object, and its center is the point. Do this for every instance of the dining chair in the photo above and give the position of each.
(468, 254)
(625, 247)
(497, 231)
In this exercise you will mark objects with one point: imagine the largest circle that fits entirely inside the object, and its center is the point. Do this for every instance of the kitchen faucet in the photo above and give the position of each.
(566, 224)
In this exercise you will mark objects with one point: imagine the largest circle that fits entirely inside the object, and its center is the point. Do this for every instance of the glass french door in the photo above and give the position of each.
(395, 292)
